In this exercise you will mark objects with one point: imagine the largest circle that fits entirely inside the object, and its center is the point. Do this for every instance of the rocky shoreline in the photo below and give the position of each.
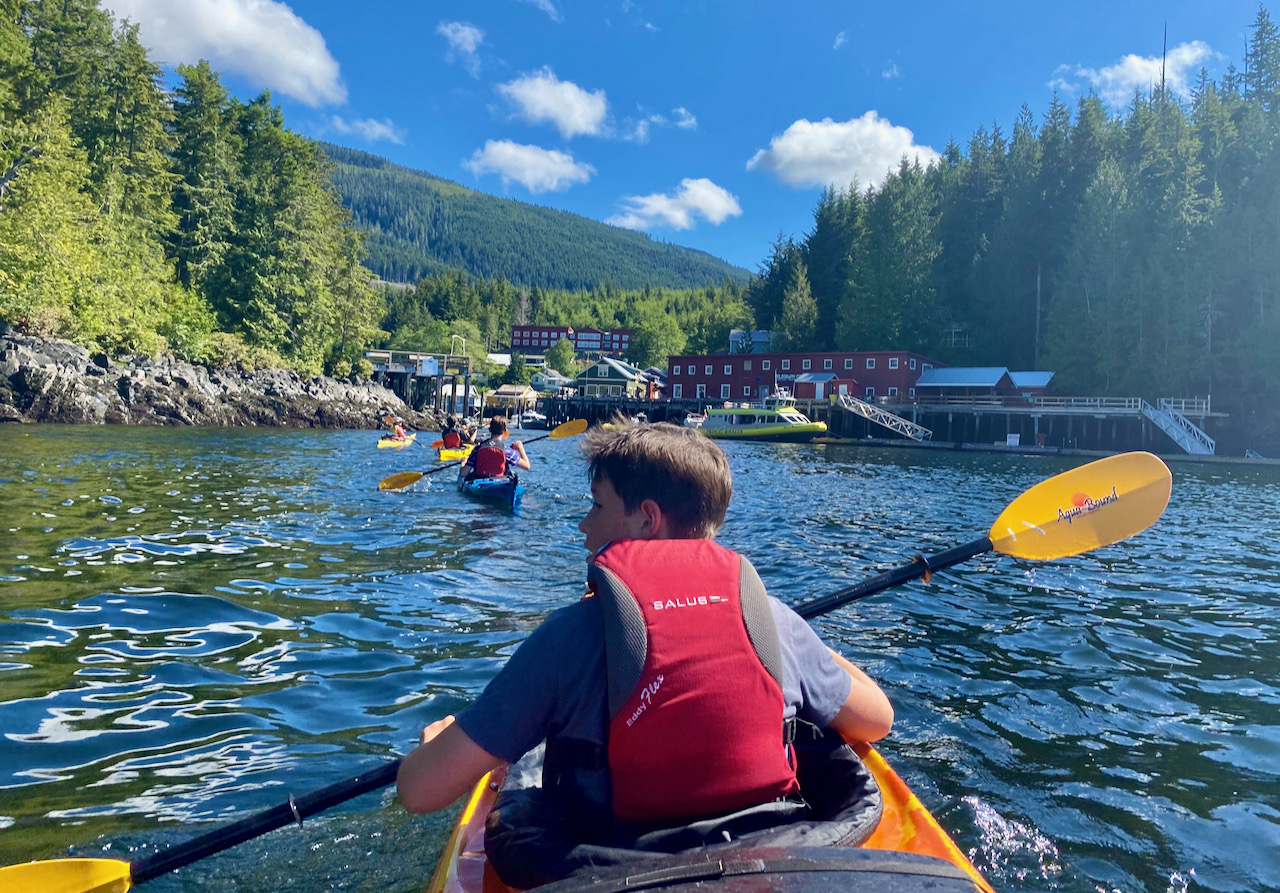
(51, 380)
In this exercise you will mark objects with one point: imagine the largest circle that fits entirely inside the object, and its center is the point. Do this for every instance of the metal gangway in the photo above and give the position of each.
(1184, 432)
(883, 417)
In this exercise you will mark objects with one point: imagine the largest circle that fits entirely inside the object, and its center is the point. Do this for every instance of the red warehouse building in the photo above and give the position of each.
(817, 375)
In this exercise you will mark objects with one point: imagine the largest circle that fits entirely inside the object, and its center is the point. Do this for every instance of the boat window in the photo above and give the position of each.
(744, 419)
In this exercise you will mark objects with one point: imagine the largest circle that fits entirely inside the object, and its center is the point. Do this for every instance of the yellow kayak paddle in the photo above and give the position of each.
(403, 479)
(1085, 508)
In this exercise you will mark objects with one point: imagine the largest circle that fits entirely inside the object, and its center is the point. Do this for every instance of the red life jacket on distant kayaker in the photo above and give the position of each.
(489, 459)
(694, 681)
(452, 440)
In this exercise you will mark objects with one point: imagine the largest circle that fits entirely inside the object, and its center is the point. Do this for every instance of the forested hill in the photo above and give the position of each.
(419, 224)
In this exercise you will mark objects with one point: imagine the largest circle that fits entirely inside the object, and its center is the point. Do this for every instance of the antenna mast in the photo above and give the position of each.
(1164, 54)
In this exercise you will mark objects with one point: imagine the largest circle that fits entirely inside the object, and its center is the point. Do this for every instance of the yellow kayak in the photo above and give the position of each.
(454, 454)
(906, 826)
(395, 443)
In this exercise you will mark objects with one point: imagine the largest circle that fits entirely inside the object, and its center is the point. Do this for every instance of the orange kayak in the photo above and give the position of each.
(905, 827)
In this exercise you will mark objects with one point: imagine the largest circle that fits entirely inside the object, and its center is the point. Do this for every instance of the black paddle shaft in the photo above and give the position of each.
(260, 823)
(919, 566)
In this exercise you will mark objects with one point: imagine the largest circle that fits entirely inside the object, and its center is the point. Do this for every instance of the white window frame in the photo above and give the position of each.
(702, 392)
(708, 369)
(911, 363)
(893, 392)
(848, 362)
(746, 365)
(677, 391)
(869, 391)
(871, 362)
(893, 362)
(724, 392)
(826, 364)
(806, 365)
(786, 364)
(911, 392)
(925, 367)
(746, 390)
(728, 369)
(675, 370)
(766, 365)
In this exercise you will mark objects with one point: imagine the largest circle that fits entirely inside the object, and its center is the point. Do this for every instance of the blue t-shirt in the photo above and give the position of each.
(554, 686)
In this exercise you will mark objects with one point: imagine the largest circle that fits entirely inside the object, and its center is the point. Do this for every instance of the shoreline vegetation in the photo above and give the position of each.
(1129, 250)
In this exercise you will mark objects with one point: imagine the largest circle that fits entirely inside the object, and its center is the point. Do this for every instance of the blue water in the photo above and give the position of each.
(194, 623)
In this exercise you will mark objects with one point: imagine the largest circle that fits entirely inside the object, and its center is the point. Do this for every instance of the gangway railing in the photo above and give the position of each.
(883, 417)
(1184, 432)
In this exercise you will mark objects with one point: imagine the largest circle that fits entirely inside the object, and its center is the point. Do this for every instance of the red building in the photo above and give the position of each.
(532, 339)
(816, 375)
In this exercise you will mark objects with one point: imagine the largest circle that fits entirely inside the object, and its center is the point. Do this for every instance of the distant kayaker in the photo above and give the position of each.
(491, 458)
(398, 431)
(451, 434)
(670, 694)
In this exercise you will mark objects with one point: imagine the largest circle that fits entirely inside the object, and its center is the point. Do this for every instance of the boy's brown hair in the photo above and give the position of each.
(681, 470)
(497, 426)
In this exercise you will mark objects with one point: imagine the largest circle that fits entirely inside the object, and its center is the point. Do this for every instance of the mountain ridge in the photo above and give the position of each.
(420, 224)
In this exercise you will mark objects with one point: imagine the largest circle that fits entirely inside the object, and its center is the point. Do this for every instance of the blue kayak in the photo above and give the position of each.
(505, 491)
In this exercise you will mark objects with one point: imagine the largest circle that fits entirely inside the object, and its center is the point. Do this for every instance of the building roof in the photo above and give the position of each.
(517, 389)
(963, 377)
(501, 359)
(1031, 379)
(816, 376)
(626, 370)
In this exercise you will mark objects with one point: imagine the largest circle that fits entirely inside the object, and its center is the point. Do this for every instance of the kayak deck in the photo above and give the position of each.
(396, 443)
(453, 454)
(906, 827)
(503, 491)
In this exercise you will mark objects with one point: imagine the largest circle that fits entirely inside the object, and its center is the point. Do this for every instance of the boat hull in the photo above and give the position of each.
(905, 827)
(775, 433)
(396, 443)
(503, 491)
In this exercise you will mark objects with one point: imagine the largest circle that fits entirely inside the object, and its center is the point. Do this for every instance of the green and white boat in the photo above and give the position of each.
(773, 418)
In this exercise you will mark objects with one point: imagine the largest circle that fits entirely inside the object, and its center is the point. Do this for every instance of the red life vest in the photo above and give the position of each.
(694, 680)
(489, 459)
(452, 440)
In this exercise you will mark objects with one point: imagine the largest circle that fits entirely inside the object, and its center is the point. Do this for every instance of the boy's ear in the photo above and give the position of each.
(654, 522)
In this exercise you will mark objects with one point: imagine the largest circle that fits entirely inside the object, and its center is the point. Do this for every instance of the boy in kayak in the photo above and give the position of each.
(668, 699)
(490, 458)
(451, 434)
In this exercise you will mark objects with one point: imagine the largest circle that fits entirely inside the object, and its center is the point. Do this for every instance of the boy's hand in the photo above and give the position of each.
(435, 729)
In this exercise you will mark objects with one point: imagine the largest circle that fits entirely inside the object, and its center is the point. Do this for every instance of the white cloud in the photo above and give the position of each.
(544, 98)
(694, 198)
(684, 118)
(368, 129)
(891, 71)
(261, 40)
(464, 44)
(546, 6)
(841, 40)
(1117, 83)
(834, 153)
(535, 168)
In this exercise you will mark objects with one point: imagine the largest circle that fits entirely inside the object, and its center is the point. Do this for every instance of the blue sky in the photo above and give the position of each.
(708, 124)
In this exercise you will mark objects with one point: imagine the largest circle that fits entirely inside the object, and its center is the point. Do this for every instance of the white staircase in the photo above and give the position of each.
(885, 418)
(1183, 431)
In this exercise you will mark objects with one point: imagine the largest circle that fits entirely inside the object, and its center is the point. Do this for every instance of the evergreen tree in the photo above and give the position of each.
(798, 323)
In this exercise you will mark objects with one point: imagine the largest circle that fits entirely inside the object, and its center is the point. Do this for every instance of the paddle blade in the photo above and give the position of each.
(1091, 506)
(436, 444)
(68, 876)
(400, 480)
(569, 429)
